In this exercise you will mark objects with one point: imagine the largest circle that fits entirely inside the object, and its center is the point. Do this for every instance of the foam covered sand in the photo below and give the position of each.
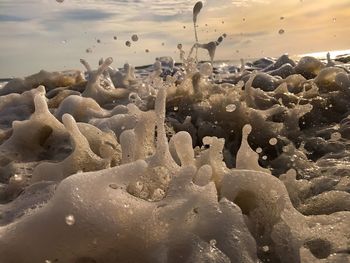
(177, 164)
(94, 178)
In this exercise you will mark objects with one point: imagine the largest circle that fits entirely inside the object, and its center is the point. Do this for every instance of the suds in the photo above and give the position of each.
(177, 163)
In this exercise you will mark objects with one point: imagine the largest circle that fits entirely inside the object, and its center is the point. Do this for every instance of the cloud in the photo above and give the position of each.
(12, 18)
(85, 15)
(248, 2)
(252, 34)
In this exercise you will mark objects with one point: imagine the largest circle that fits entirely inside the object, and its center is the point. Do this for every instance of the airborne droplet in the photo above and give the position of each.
(196, 9)
(220, 39)
(281, 31)
(134, 38)
(128, 43)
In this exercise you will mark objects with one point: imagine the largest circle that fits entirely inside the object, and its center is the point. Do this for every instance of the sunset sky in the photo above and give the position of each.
(45, 34)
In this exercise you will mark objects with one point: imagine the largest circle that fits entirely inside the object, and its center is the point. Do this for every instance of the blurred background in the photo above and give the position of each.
(55, 34)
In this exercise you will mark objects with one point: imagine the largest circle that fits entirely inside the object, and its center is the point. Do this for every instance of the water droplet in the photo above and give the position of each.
(113, 186)
(273, 141)
(212, 242)
(139, 186)
(88, 50)
(264, 157)
(231, 108)
(134, 38)
(243, 19)
(224, 35)
(98, 41)
(282, 17)
(265, 248)
(147, 50)
(176, 108)
(126, 205)
(179, 46)
(128, 43)
(335, 136)
(184, 27)
(18, 177)
(258, 150)
(281, 31)
(158, 194)
(49, 261)
(70, 220)
(115, 38)
(334, 19)
(59, 1)
(163, 44)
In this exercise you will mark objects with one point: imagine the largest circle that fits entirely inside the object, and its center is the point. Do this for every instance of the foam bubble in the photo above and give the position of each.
(273, 141)
(206, 69)
(231, 107)
(70, 220)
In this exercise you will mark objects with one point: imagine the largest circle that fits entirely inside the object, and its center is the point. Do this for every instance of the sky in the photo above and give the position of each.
(46, 34)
